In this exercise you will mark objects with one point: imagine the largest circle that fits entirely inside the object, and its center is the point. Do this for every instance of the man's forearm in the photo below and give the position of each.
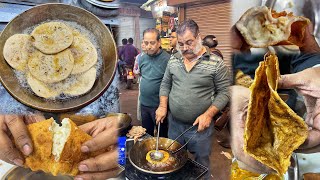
(163, 102)
(212, 111)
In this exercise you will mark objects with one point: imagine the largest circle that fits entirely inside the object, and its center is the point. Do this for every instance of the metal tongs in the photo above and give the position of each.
(175, 151)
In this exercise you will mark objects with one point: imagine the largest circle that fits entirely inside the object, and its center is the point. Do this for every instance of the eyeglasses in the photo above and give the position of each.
(152, 43)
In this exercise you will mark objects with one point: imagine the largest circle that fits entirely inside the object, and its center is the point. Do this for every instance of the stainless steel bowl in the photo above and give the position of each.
(65, 12)
(137, 155)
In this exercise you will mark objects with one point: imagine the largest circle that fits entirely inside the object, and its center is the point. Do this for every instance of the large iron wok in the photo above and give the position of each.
(138, 152)
(64, 12)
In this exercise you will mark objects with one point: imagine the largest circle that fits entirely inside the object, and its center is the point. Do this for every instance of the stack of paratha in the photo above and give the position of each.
(55, 58)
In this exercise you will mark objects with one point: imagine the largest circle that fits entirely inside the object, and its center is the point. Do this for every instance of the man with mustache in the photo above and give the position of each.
(195, 85)
(152, 67)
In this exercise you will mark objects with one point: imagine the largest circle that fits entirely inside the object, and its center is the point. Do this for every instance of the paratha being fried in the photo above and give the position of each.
(52, 37)
(82, 83)
(51, 68)
(84, 53)
(50, 91)
(273, 130)
(16, 50)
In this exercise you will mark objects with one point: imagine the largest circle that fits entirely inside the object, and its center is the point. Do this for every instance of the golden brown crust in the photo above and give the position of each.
(41, 136)
(273, 131)
(71, 156)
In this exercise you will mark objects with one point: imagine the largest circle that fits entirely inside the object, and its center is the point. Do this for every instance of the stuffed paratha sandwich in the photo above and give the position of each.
(57, 148)
(262, 27)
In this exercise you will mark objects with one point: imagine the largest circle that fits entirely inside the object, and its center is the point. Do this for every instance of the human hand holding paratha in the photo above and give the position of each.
(15, 126)
(307, 84)
(260, 27)
(239, 108)
(44, 145)
(272, 131)
(238, 43)
(104, 133)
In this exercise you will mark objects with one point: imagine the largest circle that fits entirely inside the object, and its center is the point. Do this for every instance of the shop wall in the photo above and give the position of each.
(144, 24)
(214, 18)
(127, 26)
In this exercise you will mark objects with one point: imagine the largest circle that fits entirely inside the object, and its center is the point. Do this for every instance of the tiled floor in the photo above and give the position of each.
(220, 164)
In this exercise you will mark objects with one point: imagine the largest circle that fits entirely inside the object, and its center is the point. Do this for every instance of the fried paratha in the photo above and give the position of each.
(52, 37)
(84, 53)
(272, 131)
(82, 83)
(262, 27)
(51, 68)
(50, 91)
(57, 149)
(16, 50)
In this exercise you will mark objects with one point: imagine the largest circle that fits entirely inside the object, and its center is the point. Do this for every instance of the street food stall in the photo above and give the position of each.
(166, 18)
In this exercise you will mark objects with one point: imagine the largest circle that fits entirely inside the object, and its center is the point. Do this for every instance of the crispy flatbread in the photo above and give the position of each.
(82, 83)
(272, 131)
(84, 53)
(243, 79)
(52, 37)
(56, 152)
(51, 68)
(262, 27)
(41, 157)
(16, 51)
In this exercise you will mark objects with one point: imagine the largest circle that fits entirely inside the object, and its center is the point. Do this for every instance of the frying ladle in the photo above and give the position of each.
(157, 155)
(177, 150)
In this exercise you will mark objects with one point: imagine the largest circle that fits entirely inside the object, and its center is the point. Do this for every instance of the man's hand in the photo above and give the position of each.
(14, 127)
(203, 121)
(161, 114)
(307, 83)
(238, 43)
(105, 133)
(239, 108)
